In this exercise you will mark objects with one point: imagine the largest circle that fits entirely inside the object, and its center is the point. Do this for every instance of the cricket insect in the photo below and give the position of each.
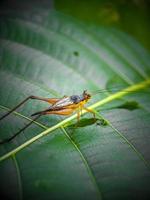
(59, 106)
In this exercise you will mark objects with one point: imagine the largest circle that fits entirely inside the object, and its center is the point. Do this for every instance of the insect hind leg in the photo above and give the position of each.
(49, 100)
(13, 109)
(16, 134)
(57, 112)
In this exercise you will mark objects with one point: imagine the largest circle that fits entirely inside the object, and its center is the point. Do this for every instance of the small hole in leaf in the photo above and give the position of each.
(76, 53)
(130, 105)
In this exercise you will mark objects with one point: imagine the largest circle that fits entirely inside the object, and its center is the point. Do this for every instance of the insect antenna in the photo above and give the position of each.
(119, 89)
(105, 90)
(26, 126)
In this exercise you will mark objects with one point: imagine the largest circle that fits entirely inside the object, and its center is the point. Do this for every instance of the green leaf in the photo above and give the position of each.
(49, 54)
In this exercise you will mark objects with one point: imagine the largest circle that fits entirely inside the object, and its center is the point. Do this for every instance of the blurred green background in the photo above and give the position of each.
(131, 16)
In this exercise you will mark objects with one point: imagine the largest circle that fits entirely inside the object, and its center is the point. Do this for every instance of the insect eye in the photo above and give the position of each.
(85, 94)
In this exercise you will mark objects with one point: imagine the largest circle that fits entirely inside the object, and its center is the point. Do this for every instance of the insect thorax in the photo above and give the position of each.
(75, 98)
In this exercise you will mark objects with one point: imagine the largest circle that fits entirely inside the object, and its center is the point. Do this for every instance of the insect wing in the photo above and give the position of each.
(66, 101)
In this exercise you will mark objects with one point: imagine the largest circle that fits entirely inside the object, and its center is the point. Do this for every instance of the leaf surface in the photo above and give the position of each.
(51, 55)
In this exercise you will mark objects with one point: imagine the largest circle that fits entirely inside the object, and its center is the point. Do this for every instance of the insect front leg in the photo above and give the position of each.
(89, 110)
(78, 116)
